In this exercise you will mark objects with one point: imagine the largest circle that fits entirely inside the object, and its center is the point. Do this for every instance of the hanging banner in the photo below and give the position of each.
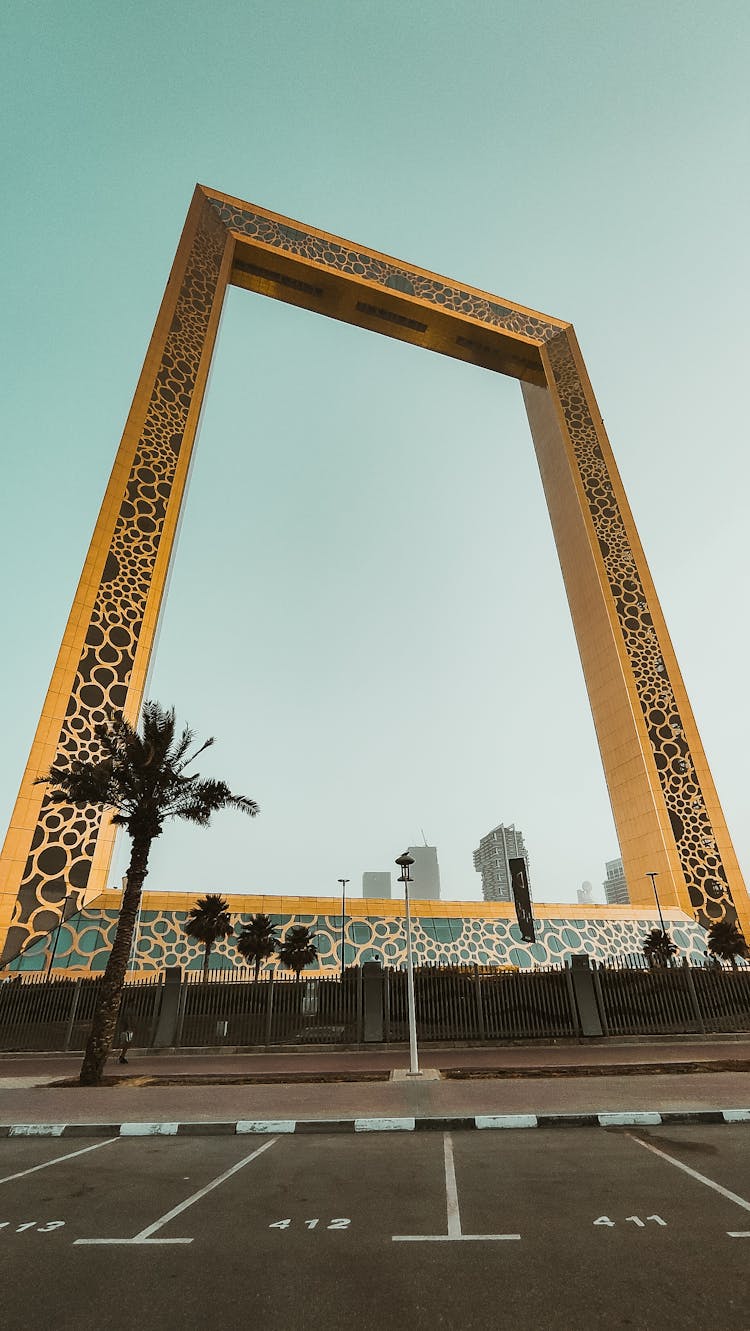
(520, 885)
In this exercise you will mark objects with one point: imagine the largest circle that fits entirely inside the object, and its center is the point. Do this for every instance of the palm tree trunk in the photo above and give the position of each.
(257, 968)
(207, 958)
(108, 1004)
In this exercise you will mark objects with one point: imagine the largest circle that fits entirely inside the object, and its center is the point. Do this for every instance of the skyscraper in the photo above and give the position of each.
(504, 842)
(615, 885)
(425, 873)
(376, 884)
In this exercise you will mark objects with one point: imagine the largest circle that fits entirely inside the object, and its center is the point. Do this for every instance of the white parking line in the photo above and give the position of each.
(454, 1234)
(701, 1178)
(57, 1160)
(144, 1236)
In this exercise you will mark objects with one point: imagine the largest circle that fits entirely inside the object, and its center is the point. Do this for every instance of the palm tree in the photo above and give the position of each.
(143, 778)
(658, 948)
(727, 941)
(258, 939)
(298, 949)
(209, 921)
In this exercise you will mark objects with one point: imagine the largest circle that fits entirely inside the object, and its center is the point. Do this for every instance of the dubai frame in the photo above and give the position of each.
(666, 810)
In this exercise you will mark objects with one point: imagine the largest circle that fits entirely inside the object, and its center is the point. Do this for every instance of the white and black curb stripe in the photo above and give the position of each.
(626, 1118)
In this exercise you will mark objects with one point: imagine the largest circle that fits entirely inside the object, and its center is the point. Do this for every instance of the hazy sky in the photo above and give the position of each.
(366, 607)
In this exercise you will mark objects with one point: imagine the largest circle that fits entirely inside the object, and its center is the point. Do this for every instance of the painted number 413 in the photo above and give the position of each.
(630, 1219)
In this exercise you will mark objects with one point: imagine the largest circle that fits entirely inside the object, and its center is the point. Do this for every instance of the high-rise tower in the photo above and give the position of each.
(503, 843)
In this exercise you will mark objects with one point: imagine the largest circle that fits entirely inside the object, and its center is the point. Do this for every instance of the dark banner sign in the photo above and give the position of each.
(520, 885)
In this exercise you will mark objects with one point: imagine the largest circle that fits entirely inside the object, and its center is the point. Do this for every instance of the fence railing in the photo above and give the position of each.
(266, 1012)
(36, 1013)
(457, 1003)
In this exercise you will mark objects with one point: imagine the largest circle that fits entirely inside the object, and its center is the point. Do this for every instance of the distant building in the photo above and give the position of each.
(503, 843)
(425, 873)
(376, 885)
(615, 886)
(585, 894)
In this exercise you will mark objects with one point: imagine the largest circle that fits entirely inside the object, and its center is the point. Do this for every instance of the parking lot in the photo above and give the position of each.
(558, 1228)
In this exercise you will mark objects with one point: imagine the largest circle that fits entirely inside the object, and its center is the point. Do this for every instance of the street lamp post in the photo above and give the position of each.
(653, 876)
(57, 937)
(404, 863)
(343, 882)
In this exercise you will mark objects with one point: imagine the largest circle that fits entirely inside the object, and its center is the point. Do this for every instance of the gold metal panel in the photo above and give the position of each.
(666, 811)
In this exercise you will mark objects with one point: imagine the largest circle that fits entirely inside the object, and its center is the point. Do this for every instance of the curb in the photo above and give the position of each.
(241, 1127)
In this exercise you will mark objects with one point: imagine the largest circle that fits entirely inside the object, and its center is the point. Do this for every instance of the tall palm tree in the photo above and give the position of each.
(298, 949)
(208, 922)
(726, 940)
(143, 778)
(258, 939)
(658, 948)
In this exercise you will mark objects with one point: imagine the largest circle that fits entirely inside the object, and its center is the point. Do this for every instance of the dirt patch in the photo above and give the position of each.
(259, 1079)
(589, 1070)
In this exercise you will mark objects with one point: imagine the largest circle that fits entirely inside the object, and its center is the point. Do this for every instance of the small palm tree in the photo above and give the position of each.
(658, 948)
(298, 949)
(143, 778)
(208, 922)
(258, 939)
(726, 940)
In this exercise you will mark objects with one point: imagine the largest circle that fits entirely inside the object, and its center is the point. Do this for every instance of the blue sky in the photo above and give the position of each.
(366, 607)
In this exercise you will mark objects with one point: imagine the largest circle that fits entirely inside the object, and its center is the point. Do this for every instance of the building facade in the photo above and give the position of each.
(491, 857)
(448, 932)
(615, 884)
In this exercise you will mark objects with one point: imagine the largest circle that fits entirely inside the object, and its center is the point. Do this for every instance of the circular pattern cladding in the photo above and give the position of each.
(63, 845)
(344, 259)
(88, 936)
(694, 837)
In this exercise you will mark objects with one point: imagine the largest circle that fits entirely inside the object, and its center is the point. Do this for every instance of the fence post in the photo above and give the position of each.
(169, 1028)
(480, 1005)
(373, 986)
(574, 1018)
(693, 996)
(72, 1015)
(585, 995)
(600, 999)
(269, 1009)
(387, 1004)
(360, 1006)
(155, 1010)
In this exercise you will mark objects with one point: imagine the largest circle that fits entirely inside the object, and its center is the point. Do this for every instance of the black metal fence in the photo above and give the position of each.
(452, 1003)
(240, 1012)
(455, 1003)
(639, 1000)
(37, 1013)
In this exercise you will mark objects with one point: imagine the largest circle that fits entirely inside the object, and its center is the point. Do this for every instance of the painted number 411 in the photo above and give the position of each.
(630, 1219)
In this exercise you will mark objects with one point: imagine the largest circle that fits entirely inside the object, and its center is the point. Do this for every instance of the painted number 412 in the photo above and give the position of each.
(630, 1219)
(339, 1223)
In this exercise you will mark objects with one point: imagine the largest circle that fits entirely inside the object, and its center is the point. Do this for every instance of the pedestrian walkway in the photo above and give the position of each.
(26, 1099)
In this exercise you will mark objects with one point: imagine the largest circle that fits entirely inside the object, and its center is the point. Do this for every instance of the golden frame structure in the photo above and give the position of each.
(665, 806)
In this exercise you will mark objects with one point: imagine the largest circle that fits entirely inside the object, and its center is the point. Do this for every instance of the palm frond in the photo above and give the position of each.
(142, 778)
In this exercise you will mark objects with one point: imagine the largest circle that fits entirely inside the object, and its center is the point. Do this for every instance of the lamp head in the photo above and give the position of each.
(404, 863)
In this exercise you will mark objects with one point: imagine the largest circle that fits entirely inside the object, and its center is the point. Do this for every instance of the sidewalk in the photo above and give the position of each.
(27, 1098)
(599, 1054)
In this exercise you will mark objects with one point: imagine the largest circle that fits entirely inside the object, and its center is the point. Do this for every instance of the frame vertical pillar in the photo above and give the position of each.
(53, 851)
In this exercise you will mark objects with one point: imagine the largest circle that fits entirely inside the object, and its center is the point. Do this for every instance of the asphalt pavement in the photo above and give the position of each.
(638, 1228)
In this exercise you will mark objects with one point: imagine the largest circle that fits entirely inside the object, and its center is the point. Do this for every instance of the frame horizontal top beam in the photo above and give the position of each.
(277, 257)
